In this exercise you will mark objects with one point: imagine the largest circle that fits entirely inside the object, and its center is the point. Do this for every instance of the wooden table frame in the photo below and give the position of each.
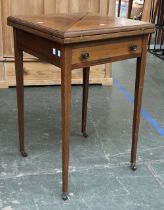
(69, 56)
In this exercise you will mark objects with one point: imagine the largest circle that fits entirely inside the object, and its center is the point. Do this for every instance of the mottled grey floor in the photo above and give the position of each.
(100, 177)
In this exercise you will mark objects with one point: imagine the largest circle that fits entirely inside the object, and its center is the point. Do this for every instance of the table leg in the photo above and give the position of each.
(85, 100)
(20, 93)
(140, 72)
(66, 107)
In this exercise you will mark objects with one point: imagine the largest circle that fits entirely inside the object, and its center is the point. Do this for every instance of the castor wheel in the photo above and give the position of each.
(24, 154)
(65, 196)
(133, 166)
(85, 134)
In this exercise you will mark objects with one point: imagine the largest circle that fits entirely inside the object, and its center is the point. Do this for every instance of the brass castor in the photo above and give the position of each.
(65, 196)
(85, 134)
(133, 166)
(24, 154)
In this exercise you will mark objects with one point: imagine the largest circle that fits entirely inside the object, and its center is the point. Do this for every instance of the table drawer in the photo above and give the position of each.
(119, 50)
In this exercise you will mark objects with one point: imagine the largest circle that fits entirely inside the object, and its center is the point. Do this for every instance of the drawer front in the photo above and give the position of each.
(116, 50)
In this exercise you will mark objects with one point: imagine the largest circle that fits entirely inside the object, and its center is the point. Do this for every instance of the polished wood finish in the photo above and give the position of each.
(66, 106)
(44, 51)
(20, 92)
(107, 50)
(80, 44)
(140, 72)
(85, 100)
(79, 28)
(36, 74)
(47, 7)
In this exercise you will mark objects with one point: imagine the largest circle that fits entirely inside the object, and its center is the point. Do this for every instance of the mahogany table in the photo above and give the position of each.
(79, 41)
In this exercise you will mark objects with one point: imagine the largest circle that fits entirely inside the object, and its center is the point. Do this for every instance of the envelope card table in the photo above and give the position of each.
(72, 41)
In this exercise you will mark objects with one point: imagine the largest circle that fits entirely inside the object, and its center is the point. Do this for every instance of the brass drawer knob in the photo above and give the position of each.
(85, 55)
(133, 47)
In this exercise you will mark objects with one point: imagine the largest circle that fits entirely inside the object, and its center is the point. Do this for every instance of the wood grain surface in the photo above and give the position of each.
(107, 49)
(48, 7)
(80, 54)
(65, 27)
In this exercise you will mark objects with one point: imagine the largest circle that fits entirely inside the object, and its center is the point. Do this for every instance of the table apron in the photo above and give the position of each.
(99, 52)
(42, 48)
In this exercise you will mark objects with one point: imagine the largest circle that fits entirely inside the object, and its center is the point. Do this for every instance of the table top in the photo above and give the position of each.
(78, 27)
